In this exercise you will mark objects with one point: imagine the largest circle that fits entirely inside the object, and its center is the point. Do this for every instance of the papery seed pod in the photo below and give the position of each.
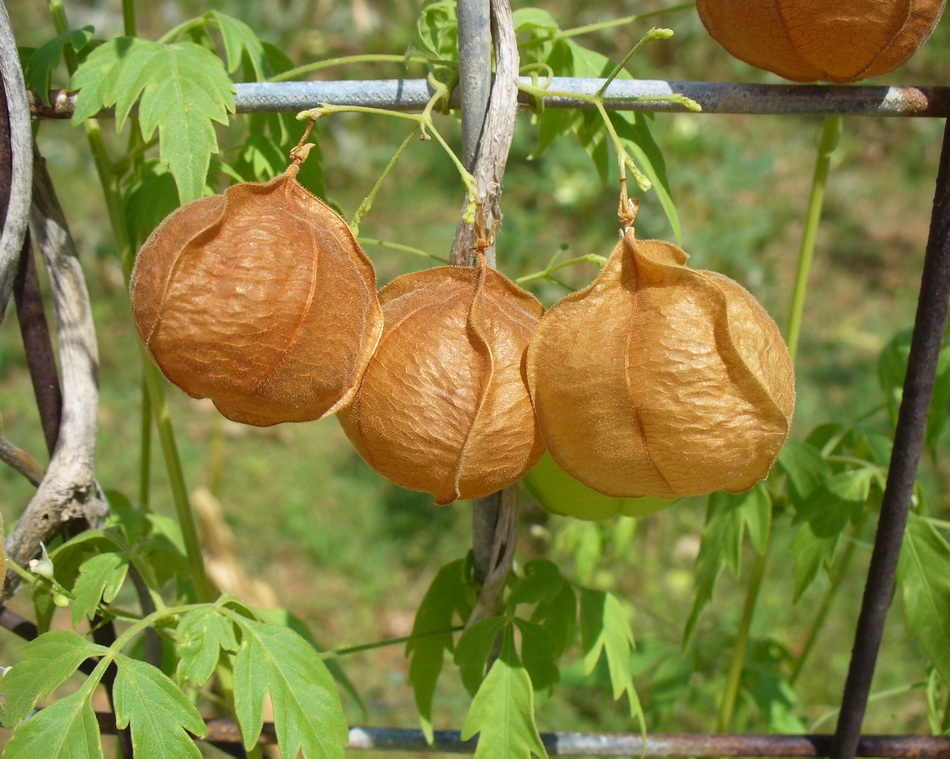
(812, 40)
(660, 380)
(260, 299)
(443, 406)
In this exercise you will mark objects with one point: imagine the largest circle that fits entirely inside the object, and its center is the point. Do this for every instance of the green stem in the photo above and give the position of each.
(650, 36)
(727, 705)
(388, 642)
(830, 135)
(404, 248)
(819, 621)
(368, 201)
(145, 445)
(613, 23)
(309, 68)
(424, 120)
(166, 436)
(128, 18)
(591, 258)
(181, 28)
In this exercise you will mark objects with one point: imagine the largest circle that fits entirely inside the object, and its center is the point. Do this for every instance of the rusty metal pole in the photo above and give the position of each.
(908, 442)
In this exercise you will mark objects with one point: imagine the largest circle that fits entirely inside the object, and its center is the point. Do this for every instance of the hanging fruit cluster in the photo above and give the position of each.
(821, 40)
(656, 380)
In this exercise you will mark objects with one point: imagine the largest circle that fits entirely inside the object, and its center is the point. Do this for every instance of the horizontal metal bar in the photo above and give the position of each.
(624, 94)
(222, 731)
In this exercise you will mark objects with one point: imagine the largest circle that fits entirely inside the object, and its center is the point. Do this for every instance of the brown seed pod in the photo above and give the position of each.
(260, 299)
(443, 406)
(659, 380)
(812, 40)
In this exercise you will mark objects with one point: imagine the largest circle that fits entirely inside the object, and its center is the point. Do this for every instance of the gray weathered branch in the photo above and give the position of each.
(19, 152)
(496, 135)
(68, 492)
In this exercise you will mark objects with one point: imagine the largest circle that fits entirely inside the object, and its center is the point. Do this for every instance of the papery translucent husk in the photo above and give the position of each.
(660, 380)
(443, 407)
(812, 40)
(260, 299)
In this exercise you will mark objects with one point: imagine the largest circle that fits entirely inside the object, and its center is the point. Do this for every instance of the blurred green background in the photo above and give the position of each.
(352, 554)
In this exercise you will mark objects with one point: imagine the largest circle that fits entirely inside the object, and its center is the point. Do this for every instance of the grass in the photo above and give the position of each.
(352, 555)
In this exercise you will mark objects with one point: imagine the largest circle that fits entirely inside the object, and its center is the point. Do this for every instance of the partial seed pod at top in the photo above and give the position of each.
(811, 40)
(443, 406)
(660, 380)
(260, 299)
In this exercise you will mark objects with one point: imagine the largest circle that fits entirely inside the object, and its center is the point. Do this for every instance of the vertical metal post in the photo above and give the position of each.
(908, 442)
(474, 33)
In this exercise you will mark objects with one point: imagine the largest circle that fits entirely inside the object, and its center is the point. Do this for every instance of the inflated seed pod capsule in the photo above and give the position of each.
(660, 380)
(812, 40)
(260, 299)
(443, 407)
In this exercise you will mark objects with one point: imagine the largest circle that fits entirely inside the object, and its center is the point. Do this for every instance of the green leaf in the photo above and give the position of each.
(240, 40)
(67, 729)
(473, 649)
(100, 579)
(48, 661)
(202, 633)
(431, 636)
(541, 580)
(924, 572)
(150, 200)
(308, 715)
(44, 606)
(605, 631)
(559, 617)
(157, 710)
(824, 516)
(46, 59)
(728, 517)
(805, 468)
(436, 32)
(534, 19)
(181, 89)
(503, 709)
(538, 654)
(286, 619)
(891, 371)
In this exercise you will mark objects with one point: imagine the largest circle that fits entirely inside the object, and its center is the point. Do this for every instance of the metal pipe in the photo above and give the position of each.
(474, 36)
(224, 731)
(713, 97)
(908, 442)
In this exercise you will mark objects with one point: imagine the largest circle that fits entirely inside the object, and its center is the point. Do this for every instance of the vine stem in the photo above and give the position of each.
(309, 68)
(830, 135)
(126, 254)
(828, 141)
(730, 694)
(426, 126)
(819, 621)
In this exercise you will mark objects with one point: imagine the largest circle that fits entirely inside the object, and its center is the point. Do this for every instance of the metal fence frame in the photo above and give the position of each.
(714, 97)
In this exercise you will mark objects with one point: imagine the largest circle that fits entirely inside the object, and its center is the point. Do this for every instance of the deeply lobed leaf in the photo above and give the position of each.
(157, 711)
(308, 714)
(47, 662)
(181, 89)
